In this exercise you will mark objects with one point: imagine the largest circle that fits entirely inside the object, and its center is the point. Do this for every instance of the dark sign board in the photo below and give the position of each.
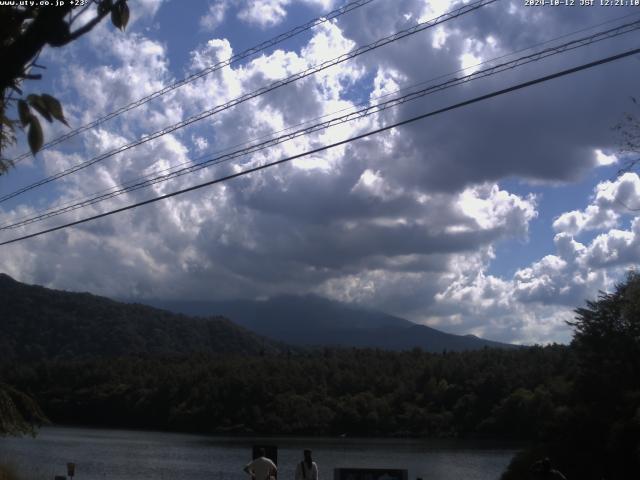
(369, 474)
(271, 452)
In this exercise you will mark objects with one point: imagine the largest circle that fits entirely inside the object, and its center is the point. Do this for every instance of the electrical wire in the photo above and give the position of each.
(206, 71)
(365, 112)
(261, 91)
(496, 93)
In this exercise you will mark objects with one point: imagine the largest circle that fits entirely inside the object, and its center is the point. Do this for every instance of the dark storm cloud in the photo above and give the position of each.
(546, 132)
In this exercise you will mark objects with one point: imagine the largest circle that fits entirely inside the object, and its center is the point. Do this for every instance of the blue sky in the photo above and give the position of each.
(553, 201)
(496, 219)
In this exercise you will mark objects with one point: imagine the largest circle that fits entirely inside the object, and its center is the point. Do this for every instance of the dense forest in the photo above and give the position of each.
(40, 323)
(577, 404)
(358, 392)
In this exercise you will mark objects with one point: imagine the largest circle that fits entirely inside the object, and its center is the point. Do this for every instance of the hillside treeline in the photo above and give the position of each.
(40, 323)
(333, 391)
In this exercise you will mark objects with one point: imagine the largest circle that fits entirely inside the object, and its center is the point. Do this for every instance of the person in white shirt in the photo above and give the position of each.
(307, 469)
(261, 468)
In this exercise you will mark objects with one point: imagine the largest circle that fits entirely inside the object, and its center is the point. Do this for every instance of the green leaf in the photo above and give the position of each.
(24, 113)
(36, 102)
(120, 14)
(115, 17)
(54, 107)
(125, 15)
(35, 136)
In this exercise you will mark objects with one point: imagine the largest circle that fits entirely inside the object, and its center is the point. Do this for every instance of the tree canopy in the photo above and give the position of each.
(598, 435)
(20, 414)
(24, 31)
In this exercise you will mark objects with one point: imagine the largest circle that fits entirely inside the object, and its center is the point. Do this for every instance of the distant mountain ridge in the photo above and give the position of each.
(38, 323)
(315, 321)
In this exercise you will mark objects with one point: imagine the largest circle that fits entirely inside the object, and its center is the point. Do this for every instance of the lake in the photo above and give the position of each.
(141, 455)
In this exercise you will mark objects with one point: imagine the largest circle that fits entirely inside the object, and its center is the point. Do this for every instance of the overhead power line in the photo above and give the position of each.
(496, 93)
(261, 91)
(204, 72)
(362, 113)
(349, 108)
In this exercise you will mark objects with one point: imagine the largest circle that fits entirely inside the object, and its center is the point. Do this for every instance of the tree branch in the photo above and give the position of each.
(14, 57)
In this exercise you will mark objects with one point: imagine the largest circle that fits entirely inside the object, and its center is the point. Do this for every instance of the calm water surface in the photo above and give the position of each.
(137, 455)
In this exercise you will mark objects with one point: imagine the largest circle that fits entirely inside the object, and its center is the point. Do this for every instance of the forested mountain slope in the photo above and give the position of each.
(39, 323)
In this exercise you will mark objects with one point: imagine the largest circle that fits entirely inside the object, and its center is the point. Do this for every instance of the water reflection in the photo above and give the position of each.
(138, 455)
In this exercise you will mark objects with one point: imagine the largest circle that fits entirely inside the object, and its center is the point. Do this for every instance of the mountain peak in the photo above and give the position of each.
(311, 320)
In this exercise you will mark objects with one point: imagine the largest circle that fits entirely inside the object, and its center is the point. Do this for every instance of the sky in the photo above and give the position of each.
(496, 219)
